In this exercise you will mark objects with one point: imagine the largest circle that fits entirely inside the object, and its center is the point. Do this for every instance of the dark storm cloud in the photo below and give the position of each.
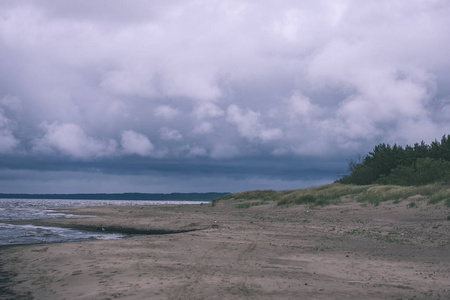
(137, 174)
(285, 89)
(280, 168)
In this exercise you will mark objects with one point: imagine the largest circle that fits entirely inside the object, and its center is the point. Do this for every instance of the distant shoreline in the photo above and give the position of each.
(119, 196)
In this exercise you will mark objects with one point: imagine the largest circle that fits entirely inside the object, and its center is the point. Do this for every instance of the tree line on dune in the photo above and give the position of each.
(413, 165)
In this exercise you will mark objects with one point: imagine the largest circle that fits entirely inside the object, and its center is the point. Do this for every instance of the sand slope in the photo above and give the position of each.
(264, 252)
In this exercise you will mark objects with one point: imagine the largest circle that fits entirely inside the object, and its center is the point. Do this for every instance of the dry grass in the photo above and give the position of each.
(335, 193)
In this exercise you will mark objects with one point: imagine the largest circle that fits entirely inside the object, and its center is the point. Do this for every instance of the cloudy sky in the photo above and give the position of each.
(182, 96)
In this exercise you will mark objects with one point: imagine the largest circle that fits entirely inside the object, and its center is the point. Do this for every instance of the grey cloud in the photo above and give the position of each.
(86, 81)
(166, 111)
(7, 141)
(92, 182)
(169, 134)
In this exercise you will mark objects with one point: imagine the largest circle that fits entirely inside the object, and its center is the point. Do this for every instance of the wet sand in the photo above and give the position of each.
(221, 252)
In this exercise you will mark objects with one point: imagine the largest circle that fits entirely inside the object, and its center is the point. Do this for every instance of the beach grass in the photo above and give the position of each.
(320, 195)
(439, 196)
(335, 193)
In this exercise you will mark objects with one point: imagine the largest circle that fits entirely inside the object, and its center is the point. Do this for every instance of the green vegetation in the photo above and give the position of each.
(319, 196)
(412, 204)
(375, 194)
(439, 196)
(386, 174)
(263, 196)
(336, 193)
(420, 164)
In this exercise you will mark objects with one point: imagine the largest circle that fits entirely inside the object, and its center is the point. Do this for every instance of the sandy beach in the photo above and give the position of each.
(346, 251)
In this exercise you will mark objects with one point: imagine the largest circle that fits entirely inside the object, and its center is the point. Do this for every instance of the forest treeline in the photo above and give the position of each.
(413, 165)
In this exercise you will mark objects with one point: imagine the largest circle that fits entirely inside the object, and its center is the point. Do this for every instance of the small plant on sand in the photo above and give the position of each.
(250, 204)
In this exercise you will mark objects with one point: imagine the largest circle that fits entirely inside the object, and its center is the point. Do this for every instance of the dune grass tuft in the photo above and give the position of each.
(321, 195)
(381, 193)
(439, 196)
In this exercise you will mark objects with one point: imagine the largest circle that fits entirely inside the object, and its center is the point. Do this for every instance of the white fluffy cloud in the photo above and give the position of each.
(71, 140)
(249, 124)
(206, 110)
(300, 106)
(135, 143)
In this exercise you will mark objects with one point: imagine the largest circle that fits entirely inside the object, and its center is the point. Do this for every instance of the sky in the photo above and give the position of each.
(206, 95)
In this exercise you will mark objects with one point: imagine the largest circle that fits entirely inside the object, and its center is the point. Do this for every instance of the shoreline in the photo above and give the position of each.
(28, 222)
(103, 229)
(341, 251)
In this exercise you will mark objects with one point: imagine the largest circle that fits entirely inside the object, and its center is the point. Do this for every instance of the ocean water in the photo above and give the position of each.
(28, 209)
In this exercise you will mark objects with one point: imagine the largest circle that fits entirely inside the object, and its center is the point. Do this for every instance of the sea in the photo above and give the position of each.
(28, 209)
